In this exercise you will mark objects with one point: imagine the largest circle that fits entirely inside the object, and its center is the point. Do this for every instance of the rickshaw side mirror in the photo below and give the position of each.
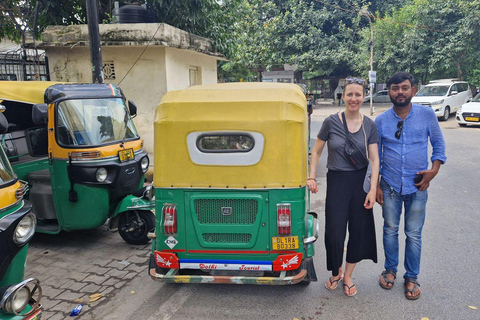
(37, 141)
(40, 114)
(132, 107)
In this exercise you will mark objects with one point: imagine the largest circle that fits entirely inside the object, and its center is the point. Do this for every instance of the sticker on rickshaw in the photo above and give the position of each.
(284, 243)
(171, 242)
(126, 155)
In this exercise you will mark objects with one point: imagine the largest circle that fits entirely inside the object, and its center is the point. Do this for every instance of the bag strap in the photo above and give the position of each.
(348, 133)
(365, 136)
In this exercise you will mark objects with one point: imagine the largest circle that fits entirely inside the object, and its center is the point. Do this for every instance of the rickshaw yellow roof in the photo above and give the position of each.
(24, 91)
(277, 112)
(257, 91)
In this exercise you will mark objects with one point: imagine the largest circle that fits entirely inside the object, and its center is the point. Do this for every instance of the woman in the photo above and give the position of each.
(347, 203)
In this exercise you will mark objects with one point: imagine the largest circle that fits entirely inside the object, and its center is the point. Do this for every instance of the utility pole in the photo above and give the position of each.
(94, 38)
(365, 13)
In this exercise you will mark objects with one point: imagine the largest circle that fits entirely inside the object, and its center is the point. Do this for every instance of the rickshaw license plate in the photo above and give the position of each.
(284, 243)
(472, 119)
(126, 155)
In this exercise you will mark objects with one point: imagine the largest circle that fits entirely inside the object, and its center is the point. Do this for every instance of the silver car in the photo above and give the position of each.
(380, 96)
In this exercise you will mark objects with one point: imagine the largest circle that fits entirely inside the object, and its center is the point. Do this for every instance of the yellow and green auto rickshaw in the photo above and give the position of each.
(230, 186)
(19, 298)
(77, 147)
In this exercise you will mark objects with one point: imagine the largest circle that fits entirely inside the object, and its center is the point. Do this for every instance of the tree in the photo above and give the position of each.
(430, 39)
(205, 18)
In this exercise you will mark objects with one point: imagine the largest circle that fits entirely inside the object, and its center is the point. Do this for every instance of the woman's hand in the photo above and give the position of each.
(312, 185)
(370, 198)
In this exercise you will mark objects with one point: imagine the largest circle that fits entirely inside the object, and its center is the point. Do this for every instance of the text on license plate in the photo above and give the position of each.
(126, 155)
(476, 119)
(284, 243)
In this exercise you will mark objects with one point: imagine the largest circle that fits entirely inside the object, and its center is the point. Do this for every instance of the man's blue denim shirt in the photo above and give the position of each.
(401, 159)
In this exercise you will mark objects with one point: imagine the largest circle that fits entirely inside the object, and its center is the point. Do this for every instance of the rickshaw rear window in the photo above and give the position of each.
(225, 142)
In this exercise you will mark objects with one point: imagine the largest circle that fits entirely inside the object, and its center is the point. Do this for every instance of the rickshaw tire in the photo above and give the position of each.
(139, 235)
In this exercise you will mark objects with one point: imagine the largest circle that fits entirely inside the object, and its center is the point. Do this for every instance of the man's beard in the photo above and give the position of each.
(405, 103)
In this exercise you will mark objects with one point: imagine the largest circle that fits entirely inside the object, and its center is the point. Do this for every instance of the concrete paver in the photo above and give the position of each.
(73, 266)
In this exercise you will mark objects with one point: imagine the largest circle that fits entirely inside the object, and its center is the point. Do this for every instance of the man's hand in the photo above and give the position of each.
(380, 196)
(428, 176)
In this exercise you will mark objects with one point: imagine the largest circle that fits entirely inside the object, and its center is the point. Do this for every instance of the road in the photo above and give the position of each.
(73, 266)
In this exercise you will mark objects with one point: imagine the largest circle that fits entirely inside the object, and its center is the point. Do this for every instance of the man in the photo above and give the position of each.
(404, 131)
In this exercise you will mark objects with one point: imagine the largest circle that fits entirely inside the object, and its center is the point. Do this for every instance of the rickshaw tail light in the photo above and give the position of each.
(284, 219)
(170, 218)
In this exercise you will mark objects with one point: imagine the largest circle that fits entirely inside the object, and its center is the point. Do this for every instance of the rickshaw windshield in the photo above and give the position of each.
(93, 122)
(6, 172)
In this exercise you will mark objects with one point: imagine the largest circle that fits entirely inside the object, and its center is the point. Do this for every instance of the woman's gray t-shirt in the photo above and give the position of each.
(333, 132)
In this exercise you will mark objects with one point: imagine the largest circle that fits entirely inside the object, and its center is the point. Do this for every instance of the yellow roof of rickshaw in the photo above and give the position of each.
(24, 91)
(276, 111)
(238, 91)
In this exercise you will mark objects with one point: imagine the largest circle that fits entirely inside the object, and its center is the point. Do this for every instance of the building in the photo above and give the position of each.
(145, 59)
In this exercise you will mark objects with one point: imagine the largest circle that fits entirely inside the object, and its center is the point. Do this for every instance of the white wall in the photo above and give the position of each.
(178, 63)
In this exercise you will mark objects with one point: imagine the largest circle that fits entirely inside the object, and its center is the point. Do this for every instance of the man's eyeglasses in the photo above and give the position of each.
(398, 134)
(354, 80)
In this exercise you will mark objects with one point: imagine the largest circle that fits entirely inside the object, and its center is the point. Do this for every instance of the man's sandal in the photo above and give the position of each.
(349, 288)
(411, 291)
(332, 282)
(388, 283)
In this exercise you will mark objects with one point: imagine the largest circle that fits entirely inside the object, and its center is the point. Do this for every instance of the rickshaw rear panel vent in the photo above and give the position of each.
(226, 211)
(227, 237)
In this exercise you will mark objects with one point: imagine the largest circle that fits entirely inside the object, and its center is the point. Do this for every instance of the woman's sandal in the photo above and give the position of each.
(387, 282)
(332, 282)
(416, 286)
(349, 288)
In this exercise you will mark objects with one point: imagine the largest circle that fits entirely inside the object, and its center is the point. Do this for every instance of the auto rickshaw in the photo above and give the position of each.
(77, 147)
(230, 177)
(19, 298)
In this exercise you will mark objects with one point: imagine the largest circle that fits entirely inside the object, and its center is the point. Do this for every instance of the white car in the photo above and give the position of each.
(380, 96)
(469, 113)
(443, 96)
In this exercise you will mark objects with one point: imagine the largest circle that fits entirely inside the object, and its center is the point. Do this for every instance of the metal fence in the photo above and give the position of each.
(26, 65)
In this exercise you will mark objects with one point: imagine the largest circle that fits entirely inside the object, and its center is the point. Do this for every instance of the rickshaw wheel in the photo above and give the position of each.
(134, 230)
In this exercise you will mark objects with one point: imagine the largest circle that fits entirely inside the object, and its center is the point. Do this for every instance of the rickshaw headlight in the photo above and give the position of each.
(101, 174)
(14, 298)
(20, 300)
(145, 163)
(25, 229)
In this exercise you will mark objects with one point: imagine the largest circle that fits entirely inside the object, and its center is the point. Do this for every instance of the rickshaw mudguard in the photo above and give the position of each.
(312, 234)
(172, 276)
(16, 269)
(132, 203)
(37, 315)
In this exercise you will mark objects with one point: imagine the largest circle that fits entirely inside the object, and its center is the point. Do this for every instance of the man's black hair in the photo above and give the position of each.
(400, 77)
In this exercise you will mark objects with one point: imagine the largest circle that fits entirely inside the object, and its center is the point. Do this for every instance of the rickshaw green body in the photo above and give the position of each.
(74, 131)
(226, 201)
(15, 213)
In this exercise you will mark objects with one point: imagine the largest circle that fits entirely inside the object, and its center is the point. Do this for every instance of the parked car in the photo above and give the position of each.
(469, 113)
(443, 96)
(380, 96)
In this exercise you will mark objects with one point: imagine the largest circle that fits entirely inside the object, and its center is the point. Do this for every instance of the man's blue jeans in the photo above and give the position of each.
(415, 205)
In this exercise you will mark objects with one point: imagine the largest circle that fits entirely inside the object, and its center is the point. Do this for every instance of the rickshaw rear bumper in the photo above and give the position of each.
(173, 276)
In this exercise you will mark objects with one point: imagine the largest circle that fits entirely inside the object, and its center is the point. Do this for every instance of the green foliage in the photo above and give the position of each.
(430, 39)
